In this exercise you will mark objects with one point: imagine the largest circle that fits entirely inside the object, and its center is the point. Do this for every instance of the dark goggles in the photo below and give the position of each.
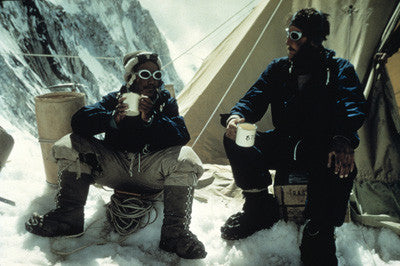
(294, 35)
(146, 74)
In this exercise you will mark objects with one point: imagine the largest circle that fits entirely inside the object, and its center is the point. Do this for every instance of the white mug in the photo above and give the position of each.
(132, 99)
(246, 134)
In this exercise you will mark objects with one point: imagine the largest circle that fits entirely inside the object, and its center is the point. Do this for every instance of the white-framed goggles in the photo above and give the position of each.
(294, 35)
(146, 74)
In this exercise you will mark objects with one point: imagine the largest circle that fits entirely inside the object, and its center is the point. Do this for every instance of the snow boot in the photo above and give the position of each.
(260, 211)
(67, 218)
(175, 234)
(318, 245)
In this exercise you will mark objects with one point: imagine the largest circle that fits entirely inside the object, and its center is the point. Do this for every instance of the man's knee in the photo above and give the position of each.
(229, 144)
(67, 153)
(188, 159)
(233, 151)
(63, 149)
(182, 166)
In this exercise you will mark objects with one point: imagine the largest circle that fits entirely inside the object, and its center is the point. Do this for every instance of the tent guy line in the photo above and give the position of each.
(208, 35)
(238, 72)
(61, 56)
(118, 58)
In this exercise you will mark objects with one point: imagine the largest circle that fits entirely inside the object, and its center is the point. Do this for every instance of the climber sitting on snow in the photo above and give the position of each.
(142, 154)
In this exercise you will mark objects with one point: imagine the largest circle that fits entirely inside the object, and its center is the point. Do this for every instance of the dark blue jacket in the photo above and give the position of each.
(132, 134)
(330, 103)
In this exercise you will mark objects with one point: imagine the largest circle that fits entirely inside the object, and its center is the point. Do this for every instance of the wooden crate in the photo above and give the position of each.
(291, 199)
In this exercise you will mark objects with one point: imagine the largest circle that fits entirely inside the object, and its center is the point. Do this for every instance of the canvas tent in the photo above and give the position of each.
(359, 29)
(356, 27)
(376, 194)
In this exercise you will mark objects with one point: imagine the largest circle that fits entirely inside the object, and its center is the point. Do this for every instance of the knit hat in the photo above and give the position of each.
(313, 23)
(133, 60)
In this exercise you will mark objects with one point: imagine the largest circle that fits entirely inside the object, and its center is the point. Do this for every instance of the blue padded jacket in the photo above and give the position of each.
(166, 129)
(330, 103)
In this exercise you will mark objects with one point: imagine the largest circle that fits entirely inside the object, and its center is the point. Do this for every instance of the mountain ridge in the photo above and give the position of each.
(78, 28)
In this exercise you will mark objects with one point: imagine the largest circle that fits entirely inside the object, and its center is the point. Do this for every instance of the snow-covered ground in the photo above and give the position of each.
(23, 181)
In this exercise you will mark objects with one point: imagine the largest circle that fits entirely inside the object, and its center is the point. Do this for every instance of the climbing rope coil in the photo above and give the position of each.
(128, 212)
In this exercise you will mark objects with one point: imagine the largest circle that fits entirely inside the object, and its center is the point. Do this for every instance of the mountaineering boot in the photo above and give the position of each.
(175, 234)
(67, 218)
(260, 211)
(318, 245)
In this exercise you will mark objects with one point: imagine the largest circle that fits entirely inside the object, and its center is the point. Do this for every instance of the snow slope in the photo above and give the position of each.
(96, 33)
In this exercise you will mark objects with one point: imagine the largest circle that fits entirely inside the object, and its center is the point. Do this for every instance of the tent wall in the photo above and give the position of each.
(375, 199)
(393, 69)
(378, 156)
(356, 27)
(203, 93)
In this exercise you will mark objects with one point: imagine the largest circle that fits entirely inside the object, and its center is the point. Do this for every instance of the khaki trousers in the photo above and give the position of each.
(173, 166)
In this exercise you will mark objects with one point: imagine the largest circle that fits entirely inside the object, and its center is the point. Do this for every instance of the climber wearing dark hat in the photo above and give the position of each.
(141, 154)
(317, 107)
